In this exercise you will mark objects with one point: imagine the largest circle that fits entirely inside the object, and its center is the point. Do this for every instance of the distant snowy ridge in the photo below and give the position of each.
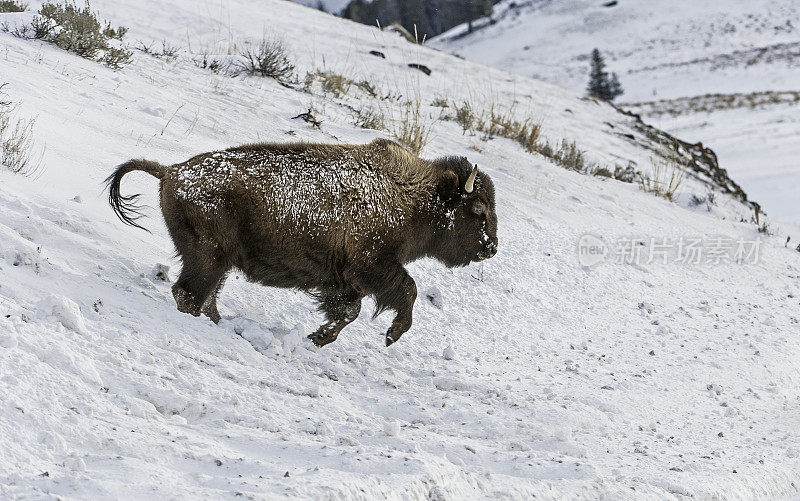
(715, 102)
(681, 55)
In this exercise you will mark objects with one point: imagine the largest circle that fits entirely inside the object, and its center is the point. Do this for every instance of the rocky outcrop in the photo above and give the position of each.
(702, 162)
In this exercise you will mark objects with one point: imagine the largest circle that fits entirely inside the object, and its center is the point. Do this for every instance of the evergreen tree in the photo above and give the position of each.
(600, 85)
(614, 88)
(598, 78)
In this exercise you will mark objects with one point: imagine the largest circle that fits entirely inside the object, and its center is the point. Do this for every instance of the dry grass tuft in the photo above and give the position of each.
(16, 139)
(412, 130)
(333, 83)
(496, 123)
(464, 116)
(505, 124)
(668, 171)
(337, 84)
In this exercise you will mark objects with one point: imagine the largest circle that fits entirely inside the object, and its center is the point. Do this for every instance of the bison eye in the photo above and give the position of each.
(478, 209)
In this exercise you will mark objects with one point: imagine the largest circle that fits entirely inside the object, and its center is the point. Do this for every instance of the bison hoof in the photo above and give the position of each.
(321, 340)
(213, 315)
(184, 301)
(391, 339)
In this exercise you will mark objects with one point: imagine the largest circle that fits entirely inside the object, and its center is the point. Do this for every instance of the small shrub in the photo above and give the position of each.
(77, 29)
(570, 157)
(117, 33)
(269, 59)
(334, 83)
(370, 118)
(167, 50)
(626, 174)
(16, 139)
(709, 200)
(367, 88)
(41, 27)
(116, 58)
(207, 62)
(602, 172)
(696, 201)
(765, 228)
(19, 31)
(12, 6)
(440, 102)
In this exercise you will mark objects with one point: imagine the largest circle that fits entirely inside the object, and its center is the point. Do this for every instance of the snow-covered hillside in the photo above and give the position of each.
(671, 369)
(332, 6)
(669, 50)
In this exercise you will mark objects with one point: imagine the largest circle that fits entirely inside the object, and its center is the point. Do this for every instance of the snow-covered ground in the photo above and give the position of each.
(527, 375)
(665, 50)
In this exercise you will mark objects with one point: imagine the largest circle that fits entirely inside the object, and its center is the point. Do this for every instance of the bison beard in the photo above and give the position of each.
(337, 221)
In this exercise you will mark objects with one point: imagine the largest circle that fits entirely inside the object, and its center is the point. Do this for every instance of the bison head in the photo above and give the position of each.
(470, 221)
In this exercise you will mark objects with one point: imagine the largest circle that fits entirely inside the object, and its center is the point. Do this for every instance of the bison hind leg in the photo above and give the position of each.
(201, 279)
(340, 308)
(195, 292)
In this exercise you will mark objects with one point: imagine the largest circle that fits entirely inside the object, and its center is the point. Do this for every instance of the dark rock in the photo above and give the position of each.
(702, 162)
(161, 272)
(420, 67)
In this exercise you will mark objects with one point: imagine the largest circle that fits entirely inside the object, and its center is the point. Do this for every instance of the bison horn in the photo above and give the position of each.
(469, 187)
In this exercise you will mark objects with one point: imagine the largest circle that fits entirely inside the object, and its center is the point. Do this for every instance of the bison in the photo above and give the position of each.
(336, 221)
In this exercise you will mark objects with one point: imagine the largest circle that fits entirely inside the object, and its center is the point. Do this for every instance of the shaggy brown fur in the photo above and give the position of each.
(337, 221)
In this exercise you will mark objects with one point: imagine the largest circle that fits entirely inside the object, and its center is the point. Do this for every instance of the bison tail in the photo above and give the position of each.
(125, 207)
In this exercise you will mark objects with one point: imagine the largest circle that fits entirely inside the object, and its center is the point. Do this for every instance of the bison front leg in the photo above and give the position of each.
(340, 308)
(394, 289)
(210, 307)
